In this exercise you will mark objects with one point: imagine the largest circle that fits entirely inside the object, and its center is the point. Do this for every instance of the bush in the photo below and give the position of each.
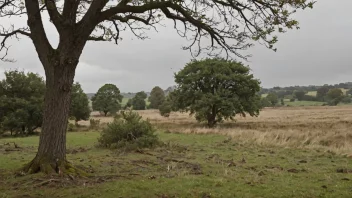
(165, 108)
(71, 127)
(309, 98)
(130, 132)
(292, 99)
(346, 100)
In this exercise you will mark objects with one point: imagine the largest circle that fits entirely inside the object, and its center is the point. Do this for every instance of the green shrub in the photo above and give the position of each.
(71, 127)
(165, 108)
(130, 132)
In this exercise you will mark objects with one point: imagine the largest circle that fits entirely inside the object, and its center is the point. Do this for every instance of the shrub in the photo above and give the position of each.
(292, 100)
(71, 127)
(165, 108)
(309, 98)
(346, 100)
(130, 132)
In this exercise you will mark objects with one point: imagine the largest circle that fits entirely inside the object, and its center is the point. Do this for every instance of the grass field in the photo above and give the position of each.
(285, 152)
(304, 103)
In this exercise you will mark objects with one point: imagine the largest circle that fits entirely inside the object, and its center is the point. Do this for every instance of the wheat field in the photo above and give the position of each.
(328, 128)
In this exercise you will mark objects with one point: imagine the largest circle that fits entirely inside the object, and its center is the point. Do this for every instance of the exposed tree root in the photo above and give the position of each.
(63, 168)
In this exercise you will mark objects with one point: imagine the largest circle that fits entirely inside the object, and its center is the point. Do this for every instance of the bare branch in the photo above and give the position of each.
(8, 34)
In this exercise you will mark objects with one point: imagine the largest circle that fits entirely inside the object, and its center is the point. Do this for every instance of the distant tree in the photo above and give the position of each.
(128, 104)
(156, 98)
(309, 98)
(281, 93)
(349, 92)
(299, 94)
(107, 99)
(165, 108)
(79, 108)
(216, 89)
(264, 102)
(272, 98)
(322, 92)
(277, 88)
(282, 101)
(346, 99)
(138, 101)
(335, 96)
(21, 102)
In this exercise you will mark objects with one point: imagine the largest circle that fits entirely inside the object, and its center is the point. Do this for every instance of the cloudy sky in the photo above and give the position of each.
(318, 53)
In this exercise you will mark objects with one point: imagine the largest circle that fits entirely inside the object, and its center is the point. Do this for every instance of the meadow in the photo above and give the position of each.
(285, 152)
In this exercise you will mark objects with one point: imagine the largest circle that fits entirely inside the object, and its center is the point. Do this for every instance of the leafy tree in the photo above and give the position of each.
(165, 108)
(138, 101)
(309, 98)
(216, 89)
(107, 99)
(79, 108)
(156, 98)
(78, 22)
(128, 104)
(21, 102)
(322, 92)
(335, 96)
(264, 102)
(282, 101)
(272, 98)
(349, 92)
(299, 95)
(346, 99)
(281, 94)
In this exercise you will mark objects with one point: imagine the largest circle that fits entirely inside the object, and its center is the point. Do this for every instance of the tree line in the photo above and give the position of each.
(22, 102)
(330, 96)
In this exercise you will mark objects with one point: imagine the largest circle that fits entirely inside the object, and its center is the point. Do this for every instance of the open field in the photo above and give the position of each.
(309, 126)
(285, 152)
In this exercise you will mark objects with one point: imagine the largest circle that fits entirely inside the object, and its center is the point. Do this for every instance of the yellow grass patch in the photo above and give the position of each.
(308, 127)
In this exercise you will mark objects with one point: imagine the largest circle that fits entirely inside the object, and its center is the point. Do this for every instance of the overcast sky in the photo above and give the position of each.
(320, 52)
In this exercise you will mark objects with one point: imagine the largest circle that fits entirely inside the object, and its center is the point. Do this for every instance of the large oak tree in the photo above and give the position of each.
(230, 25)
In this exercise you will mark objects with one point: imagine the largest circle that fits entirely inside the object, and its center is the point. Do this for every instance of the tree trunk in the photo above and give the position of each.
(51, 156)
(212, 117)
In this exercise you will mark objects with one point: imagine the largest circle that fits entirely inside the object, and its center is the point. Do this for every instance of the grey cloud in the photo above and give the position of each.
(318, 53)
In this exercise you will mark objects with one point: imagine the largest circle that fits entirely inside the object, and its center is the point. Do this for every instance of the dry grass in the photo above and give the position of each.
(301, 127)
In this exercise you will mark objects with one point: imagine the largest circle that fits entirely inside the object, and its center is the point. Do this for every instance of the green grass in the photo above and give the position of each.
(312, 93)
(189, 165)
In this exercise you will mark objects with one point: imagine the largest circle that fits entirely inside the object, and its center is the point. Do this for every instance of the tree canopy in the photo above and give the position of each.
(79, 109)
(272, 98)
(156, 98)
(299, 95)
(21, 102)
(101, 20)
(107, 99)
(216, 89)
(138, 101)
(335, 96)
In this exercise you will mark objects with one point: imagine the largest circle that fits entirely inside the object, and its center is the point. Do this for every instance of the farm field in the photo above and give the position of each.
(285, 152)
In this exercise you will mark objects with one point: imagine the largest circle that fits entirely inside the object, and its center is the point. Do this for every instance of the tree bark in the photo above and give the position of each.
(212, 117)
(51, 156)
